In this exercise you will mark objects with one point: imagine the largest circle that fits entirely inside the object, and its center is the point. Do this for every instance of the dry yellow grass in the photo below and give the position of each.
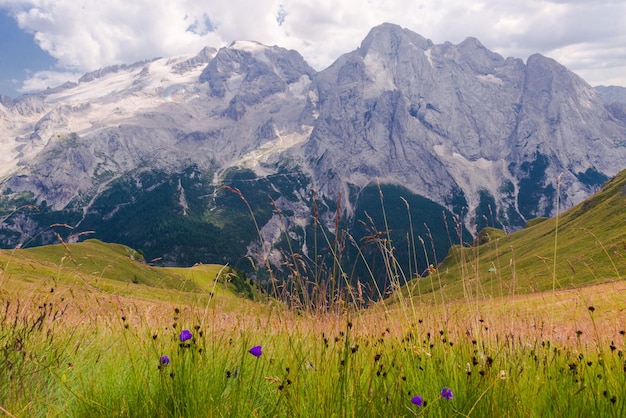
(564, 316)
(589, 316)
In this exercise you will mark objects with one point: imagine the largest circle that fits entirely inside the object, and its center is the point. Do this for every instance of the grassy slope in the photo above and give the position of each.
(100, 268)
(590, 249)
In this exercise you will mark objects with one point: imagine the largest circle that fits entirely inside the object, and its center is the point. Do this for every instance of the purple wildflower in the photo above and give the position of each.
(185, 335)
(417, 400)
(164, 360)
(446, 393)
(256, 351)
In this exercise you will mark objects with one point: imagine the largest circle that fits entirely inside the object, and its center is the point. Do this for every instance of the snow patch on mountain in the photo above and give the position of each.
(490, 78)
(255, 48)
(182, 199)
(428, 54)
(18, 139)
(378, 73)
(155, 77)
(260, 158)
(8, 157)
(476, 175)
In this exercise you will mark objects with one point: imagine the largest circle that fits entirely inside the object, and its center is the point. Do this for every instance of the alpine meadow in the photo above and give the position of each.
(419, 229)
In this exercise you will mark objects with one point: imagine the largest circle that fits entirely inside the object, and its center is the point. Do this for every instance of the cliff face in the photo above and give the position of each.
(440, 118)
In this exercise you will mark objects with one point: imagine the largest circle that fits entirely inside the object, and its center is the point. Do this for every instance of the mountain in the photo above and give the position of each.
(172, 155)
(612, 94)
(615, 100)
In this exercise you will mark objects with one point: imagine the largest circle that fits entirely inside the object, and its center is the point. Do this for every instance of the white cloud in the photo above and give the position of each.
(587, 36)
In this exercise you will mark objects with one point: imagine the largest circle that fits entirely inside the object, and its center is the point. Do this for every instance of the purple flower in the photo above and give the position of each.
(164, 360)
(417, 400)
(446, 393)
(256, 351)
(185, 335)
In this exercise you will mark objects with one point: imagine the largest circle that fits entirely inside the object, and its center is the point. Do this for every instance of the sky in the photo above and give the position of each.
(44, 43)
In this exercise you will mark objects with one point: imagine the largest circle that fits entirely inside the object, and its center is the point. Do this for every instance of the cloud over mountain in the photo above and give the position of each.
(586, 36)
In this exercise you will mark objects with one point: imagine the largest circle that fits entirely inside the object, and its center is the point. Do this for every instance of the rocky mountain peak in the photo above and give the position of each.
(250, 61)
(202, 58)
(470, 113)
(112, 69)
(28, 105)
(390, 39)
(247, 72)
(612, 94)
(6, 101)
(473, 54)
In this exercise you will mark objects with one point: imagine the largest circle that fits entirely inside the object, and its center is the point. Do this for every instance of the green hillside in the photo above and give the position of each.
(115, 268)
(583, 246)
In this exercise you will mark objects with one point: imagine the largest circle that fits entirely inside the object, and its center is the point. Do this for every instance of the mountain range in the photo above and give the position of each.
(247, 153)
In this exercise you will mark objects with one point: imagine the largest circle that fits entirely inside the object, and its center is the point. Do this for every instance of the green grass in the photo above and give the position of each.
(590, 249)
(98, 355)
(117, 268)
